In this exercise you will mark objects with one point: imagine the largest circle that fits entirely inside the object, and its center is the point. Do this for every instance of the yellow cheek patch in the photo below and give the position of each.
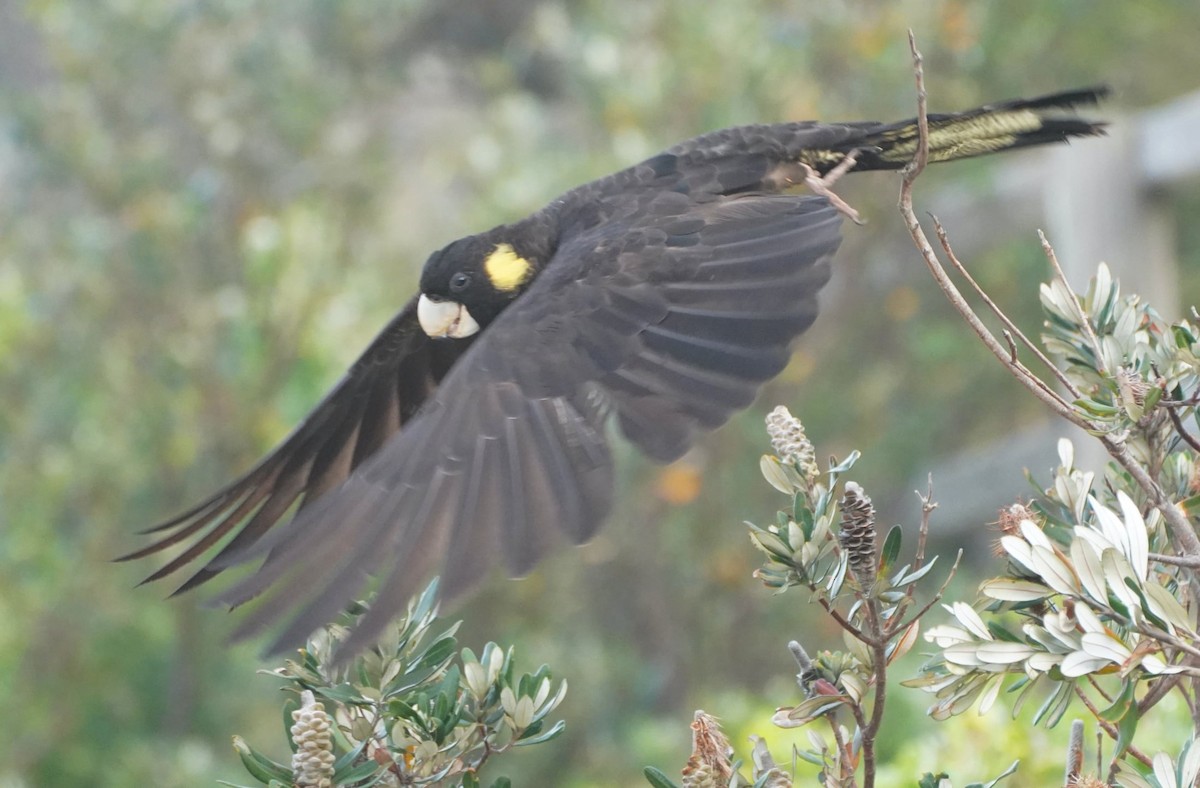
(506, 269)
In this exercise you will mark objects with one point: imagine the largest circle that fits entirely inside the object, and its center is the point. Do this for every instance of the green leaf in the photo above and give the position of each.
(891, 550)
(1010, 770)
(553, 733)
(260, 766)
(846, 464)
(288, 707)
(1146, 609)
(501, 782)
(804, 516)
(1121, 704)
(1054, 705)
(347, 759)
(909, 578)
(355, 772)
(657, 779)
(930, 780)
(998, 631)
(427, 604)
(1126, 728)
(811, 757)
(773, 472)
(341, 693)
(1152, 398)
(438, 653)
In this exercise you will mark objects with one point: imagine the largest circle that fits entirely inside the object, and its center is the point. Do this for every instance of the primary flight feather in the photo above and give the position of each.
(473, 428)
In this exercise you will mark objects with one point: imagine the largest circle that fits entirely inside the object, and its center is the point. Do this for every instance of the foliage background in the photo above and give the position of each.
(208, 208)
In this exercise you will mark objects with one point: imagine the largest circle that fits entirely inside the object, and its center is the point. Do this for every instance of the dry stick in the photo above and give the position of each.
(1013, 363)
(1191, 562)
(1187, 437)
(838, 617)
(1156, 693)
(927, 507)
(1162, 636)
(1029, 344)
(1012, 346)
(1096, 686)
(1108, 727)
(1030, 381)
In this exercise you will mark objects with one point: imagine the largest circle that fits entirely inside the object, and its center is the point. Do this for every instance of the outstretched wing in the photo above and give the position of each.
(381, 392)
(670, 319)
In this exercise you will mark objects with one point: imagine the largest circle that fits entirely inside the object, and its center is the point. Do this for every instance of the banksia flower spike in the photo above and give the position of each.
(857, 534)
(791, 444)
(312, 763)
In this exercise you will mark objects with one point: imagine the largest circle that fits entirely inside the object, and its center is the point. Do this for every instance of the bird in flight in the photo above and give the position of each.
(474, 428)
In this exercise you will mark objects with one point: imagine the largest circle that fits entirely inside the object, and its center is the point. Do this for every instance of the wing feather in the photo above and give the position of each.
(508, 456)
(380, 393)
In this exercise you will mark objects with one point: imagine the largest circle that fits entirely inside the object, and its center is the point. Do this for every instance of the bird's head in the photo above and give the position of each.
(468, 283)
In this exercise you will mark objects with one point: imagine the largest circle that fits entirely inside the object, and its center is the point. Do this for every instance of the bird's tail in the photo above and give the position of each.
(960, 135)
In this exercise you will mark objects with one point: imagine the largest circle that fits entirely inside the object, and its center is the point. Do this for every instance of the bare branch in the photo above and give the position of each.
(1107, 726)
(1033, 383)
(1191, 562)
(1182, 431)
(1157, 691)
(1059, 375)
(927, 507)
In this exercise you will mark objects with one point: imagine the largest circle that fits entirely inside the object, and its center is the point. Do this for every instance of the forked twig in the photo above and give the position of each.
(1029, 344)
(942, 278)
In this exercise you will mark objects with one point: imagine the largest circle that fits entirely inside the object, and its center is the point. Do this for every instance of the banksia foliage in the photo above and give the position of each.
(857, 535)
(415, 711)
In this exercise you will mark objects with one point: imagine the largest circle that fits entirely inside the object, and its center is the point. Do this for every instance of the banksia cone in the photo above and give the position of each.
(1133, 389)
(312, 763)
(710, 765)
(857, 534)
(791, 444)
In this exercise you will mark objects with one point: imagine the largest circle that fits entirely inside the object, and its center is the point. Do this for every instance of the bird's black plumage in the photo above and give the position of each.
(472, 430)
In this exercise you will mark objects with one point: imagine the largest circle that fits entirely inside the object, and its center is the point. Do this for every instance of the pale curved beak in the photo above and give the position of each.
(445, 318)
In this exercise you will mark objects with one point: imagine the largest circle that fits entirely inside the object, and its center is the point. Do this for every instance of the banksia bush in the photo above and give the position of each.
(414, 711)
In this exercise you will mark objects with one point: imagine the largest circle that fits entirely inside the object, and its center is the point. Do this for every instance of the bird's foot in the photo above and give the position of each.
(824, 186)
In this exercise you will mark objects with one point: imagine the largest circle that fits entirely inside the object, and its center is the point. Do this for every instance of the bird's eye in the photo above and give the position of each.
(459, 282)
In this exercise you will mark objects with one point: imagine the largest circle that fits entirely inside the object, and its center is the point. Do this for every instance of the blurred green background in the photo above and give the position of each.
(208, 208)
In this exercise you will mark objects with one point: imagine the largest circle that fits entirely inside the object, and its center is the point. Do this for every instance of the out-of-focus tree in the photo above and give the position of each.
(206, 208)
